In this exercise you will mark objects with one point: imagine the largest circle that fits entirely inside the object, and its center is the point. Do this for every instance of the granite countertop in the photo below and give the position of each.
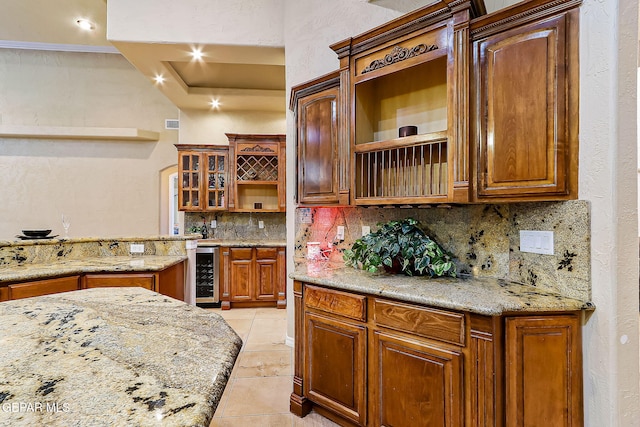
(112, 356)
(242, 243)
(106, 264)
(487, 296)
(57, 239)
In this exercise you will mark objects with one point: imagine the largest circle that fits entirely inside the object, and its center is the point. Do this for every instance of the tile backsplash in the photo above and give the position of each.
(240, 225)
(484, 239)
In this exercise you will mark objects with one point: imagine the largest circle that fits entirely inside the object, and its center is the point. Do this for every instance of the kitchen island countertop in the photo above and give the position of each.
(105, 264)
(112, 356)
(487, 296)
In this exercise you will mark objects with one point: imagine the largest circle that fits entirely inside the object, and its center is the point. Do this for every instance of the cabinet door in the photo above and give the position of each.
(189, 175)
(43, 287)
(415, 383)
(216, 194)
(143, 280)
(335, 366)
(266, 274)
(544, 372)
(241, 274)
(527, 111)
(318, 147)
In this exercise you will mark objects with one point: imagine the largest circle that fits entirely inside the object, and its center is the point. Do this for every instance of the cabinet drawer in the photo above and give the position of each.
(43, 287)
(427, 322)
(336, 302)
(266, 253)
(119, 280)
(241, 253)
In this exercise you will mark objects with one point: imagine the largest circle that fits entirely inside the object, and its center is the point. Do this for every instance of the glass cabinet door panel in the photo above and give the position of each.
(186, 163)
(194, 180)
(195, 159)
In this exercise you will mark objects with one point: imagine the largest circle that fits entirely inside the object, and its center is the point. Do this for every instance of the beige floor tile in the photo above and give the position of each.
(270, 313)
(263, 364)
(267, 335)
(312, 420)
(277, 420)
(225, 397)
(236, 313)
(258, 396)
(241, 326)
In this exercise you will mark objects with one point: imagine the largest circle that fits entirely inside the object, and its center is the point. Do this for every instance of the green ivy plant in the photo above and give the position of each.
(402, 246)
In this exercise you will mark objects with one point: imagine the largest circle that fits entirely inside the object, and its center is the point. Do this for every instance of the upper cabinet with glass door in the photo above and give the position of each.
(409, 80)
(203, 177)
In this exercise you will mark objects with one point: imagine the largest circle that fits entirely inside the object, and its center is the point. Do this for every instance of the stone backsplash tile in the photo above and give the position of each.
(484, 239)
(240, 225)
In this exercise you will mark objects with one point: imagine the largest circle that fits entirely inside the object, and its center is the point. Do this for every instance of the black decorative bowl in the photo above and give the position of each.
(36, 233)
(407, 131)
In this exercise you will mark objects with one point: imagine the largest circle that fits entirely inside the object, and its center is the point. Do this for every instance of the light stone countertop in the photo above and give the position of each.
(485, 296)
(58, 239)
(112, 357)
(242, 243)
(106, 264)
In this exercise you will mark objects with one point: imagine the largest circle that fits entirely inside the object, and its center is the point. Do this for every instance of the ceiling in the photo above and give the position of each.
(238, 77)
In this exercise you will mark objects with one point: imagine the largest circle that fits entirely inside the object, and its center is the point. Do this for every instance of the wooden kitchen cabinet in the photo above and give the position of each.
(494, 99)
(253, 276)
(415, 382)
(335, 363)
(107, 280)
(42, 287)
(170, 281)
(544, 373)
(412, 71)
(525, 118)
(369, 361)
(322, 141)
(203, 183)
(258, 173)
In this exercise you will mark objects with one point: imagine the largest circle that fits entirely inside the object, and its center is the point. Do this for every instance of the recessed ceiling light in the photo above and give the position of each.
(159, 78)
(196, 53)
(215, 104)
(85, 24)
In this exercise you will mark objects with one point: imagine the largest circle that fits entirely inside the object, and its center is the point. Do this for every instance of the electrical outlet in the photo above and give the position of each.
(366, 230)
(136, 248)
(260, 224)
(214, 223)
(537, 242)
(340, 233)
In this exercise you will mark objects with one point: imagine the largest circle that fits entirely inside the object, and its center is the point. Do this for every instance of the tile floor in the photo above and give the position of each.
(257, 394)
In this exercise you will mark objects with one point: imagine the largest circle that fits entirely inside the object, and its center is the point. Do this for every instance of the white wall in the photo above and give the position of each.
(238, 22)
(608, 170)
(107, 187)
(209, 127)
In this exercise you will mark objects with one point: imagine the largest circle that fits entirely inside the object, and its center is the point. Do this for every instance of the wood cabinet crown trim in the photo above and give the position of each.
(406, 24)
(518, 14)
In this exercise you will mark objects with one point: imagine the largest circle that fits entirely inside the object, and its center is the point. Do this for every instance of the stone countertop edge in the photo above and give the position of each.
(106, 264)
(242, 243)
(112, 357)
(58, 240)
(485, 296)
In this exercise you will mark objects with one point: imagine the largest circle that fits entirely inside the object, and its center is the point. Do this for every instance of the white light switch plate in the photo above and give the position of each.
(135, 248)
(260, 224)
(340, 233)
(366, 230)
(537, 242)
(214, 223)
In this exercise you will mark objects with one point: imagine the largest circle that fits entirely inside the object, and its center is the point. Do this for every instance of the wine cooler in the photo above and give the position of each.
(207, 277)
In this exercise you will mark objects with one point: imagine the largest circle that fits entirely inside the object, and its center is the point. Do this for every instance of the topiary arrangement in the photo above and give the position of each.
(400, 246)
